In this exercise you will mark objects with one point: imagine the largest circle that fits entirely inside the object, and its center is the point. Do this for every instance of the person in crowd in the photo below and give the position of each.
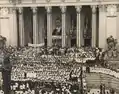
(45, 67)
(57, 30)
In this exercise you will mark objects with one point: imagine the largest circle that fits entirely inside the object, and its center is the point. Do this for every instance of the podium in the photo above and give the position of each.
(57, 40)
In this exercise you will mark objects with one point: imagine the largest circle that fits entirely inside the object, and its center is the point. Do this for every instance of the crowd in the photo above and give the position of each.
(44, 88)
(35, 69)
(40, 65)
(54, 52)
(51, 64)
(48, 64)
(41, 71)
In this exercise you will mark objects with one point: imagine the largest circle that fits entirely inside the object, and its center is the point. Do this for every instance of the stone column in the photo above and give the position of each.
(117, 23)
(111, 20)
(102, 26)
(94, 8)
(63, 10)
(14, 36)
(6, 24)
(21, 27)
(49, 26)
(78, 32)
(35, 25)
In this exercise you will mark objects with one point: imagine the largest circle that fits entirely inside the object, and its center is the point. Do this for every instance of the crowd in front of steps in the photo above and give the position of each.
(57, 88)
(27, 55)
(45, 88)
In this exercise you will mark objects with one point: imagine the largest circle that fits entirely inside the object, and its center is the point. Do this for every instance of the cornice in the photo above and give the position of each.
(78, 3)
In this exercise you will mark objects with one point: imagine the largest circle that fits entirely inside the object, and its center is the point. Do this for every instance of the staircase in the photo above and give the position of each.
(94, 80)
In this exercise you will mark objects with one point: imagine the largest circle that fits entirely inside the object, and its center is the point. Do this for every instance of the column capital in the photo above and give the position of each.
(78, 9)
(63, 9)
(102, 8)
(111, 10)
(20, 10)
(4, 11)
(48, 9)
(34, 10)
(13, 10)
(110, 6)
(94, 8)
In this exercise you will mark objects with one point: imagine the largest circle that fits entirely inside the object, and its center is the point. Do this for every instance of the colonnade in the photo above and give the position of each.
(49, 25)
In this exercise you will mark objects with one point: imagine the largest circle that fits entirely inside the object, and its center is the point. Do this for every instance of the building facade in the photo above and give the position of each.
(81, 22)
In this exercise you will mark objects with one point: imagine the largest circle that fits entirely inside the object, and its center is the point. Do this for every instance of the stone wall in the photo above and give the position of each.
(8, 25)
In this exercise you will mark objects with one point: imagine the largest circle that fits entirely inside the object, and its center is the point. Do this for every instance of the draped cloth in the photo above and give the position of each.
(36, 45)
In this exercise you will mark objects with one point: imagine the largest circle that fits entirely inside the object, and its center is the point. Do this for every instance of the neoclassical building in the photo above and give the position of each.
(80, 22)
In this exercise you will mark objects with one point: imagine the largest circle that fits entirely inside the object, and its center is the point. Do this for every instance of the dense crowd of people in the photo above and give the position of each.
(44, 88)
(42, 52)
(56, 70)
(40, 65)
(51, 64)
(43, 71)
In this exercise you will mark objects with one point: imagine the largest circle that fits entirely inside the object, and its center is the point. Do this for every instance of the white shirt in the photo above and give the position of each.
(1, 92)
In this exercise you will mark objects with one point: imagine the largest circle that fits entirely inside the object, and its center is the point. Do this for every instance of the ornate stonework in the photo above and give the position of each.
(78, 9)
(34, 9)
(48, 9)
(94, 9)
(111, 10)
(12, 10)
(102, 8)
(20, 10)
(63, 9)
(4, 11)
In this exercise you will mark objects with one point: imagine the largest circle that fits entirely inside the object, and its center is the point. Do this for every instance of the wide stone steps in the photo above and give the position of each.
(94, 80)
